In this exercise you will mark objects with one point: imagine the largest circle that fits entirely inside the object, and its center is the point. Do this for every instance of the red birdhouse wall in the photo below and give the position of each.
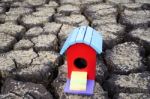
(81, 57)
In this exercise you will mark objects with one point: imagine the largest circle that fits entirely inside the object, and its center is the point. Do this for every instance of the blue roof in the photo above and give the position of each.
(86, 35)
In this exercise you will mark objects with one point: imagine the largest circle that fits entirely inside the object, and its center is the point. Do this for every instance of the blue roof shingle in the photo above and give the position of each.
(86, 35)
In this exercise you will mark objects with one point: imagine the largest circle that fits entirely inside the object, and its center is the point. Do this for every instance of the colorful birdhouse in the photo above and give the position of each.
(81, 48)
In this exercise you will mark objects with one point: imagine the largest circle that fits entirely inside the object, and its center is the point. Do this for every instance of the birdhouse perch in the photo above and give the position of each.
(81, 48)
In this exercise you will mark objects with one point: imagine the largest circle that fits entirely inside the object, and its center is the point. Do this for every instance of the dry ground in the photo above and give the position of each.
(33, 31)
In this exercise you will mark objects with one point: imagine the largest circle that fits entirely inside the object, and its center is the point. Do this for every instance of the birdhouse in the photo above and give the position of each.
(81, 48)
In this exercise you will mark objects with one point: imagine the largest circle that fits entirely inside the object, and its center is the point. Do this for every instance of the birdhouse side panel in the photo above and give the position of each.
(81, 57)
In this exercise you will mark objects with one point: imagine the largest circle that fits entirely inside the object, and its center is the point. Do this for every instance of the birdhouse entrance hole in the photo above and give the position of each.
(80, 63)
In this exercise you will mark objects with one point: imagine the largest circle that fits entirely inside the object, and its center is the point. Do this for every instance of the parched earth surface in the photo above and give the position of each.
(32, 33)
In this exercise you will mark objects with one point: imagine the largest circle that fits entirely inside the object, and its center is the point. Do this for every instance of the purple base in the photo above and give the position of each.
(89, 88)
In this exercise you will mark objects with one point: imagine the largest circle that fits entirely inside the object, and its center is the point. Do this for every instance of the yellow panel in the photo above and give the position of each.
(78, 87)
(78, 81)
(77, 74)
